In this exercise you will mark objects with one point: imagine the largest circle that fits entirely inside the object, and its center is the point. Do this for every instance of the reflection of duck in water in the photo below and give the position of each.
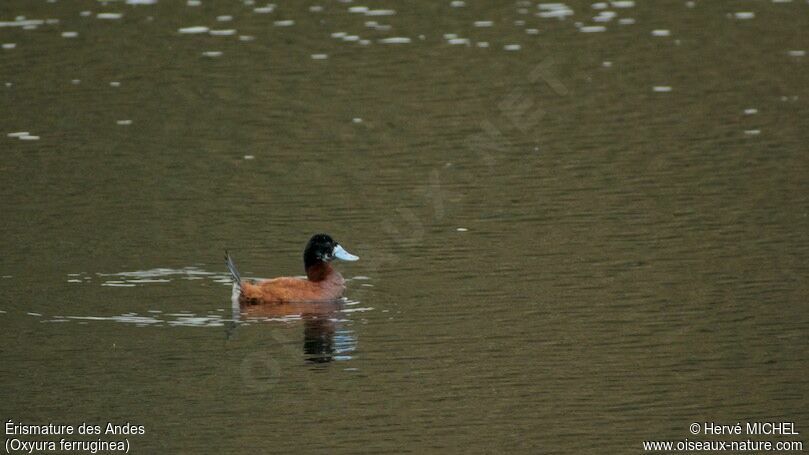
(323, 338)
(318, 338)
(322, 282)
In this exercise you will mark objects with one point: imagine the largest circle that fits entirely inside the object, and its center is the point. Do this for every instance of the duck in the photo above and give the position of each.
(322, 282)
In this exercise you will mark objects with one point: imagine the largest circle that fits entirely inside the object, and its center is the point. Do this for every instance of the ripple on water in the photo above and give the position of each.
(151, 276)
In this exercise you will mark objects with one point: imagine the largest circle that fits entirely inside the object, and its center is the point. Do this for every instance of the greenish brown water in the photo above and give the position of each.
(571, 247)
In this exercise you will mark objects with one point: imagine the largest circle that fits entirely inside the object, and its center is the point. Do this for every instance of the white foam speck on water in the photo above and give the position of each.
(124, 122)
(593, 29)
(75, 281)
(338, 34)
(554, 10)
(224, 18)
(512, 47)
(319, 56)
(461, 229)
(212, 54)
(351, 38)
(86, 13)
(661, 88)
(109, 16)
(395, 40)
(605, 16)
(18, 134)
(265, 9)
(599, 5)
(22, 22)
(450, 35)
(29, 138)
(623, 4)
(482, 44)
(626, 21)
(9, 45)
(75, 81)
(744, 15)
(532, 31)
(119, 285)
(606, 64)
(316, 8)
(193, 3)
(247, 157)
(457, 4)
(459, 41)
(246, 38)
(483, 23)
(115, 84)
(358, 9)
(70, 34)
(752, 132)
(750, 111)
(34, 314)
(141, 2)
(797, 53)
(661, 32)
(380, 12)
(356, 120)
(284, 23)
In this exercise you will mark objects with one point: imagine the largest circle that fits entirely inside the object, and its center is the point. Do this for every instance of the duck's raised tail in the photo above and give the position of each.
(234, 272)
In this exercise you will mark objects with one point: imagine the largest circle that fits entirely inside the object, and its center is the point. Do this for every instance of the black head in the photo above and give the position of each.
(323, 248)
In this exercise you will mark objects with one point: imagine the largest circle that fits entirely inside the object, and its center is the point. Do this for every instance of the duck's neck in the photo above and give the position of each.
(319, 271)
